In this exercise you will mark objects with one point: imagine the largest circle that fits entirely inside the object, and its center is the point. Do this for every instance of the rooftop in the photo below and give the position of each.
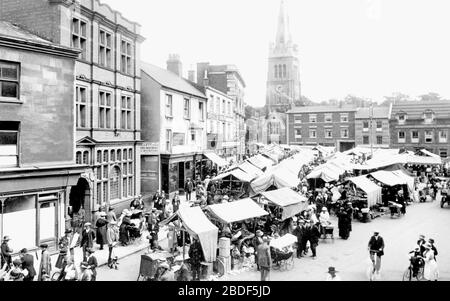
(170, 80)
(322, 109)
(415, 109)
(10, 30)
(378, 112)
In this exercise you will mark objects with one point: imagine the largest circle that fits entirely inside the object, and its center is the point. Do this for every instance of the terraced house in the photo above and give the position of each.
(416, 125)
(106, 96)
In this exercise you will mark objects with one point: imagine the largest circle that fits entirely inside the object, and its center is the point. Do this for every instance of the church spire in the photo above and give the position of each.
(283, 32)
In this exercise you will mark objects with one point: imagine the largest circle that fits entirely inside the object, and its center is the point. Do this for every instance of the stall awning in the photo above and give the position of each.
(195, 222)
(236, 211)
(430, 154)
(250, 169)
(388, 177)
(236, 173)
(260, 161)
(216, 159)
(372, 190)
(326, 172)
(291, 201)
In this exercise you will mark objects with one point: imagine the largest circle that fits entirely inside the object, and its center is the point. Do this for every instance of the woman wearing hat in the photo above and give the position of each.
(430, 272)
(101, 229)
(112, 237)
(64, 244)
(6, 253)
(124, 237)
(45, 266)
(332, 275)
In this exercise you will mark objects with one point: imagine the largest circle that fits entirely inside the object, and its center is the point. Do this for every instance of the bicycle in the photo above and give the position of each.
(408, 275)
(374, 258)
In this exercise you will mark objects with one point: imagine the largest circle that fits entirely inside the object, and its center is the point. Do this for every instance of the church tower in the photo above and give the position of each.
(283, 78)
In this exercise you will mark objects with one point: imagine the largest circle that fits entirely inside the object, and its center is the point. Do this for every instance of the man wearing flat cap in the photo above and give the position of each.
(376, 249)
(45, 268)
(87, 239)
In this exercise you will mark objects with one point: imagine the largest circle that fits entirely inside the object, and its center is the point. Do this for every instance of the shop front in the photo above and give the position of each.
(175, 170)
(33, 205)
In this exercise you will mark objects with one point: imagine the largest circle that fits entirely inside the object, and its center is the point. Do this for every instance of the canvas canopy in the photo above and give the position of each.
(291, 201)
(260, 161)
(195, 222)
(216, 159)
(388, 177)
(326, 172)
(236, 211)
(236, 173)
(372, 190)
(428, 153)
(279, 178)
(250, 169)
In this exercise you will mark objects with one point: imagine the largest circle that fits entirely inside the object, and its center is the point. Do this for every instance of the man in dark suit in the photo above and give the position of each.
(87, 239)
(313, 238)
(188, 187)
(299, 232)
(27, 264)
(376, 247)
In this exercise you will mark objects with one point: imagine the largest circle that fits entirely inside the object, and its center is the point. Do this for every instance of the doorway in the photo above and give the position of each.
(165, 177)
(47, 219)
(80, 198)
(181, 175)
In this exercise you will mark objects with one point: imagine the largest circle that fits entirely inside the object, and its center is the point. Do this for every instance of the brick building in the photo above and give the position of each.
(37, 137)
(322, 125)
(107, 92)
(227, 79)
(416, 125)
(372, 127)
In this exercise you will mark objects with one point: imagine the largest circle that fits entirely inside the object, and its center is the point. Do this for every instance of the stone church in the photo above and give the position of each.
(283, 82)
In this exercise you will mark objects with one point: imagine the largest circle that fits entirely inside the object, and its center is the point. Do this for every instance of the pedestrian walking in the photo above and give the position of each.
(101, 225)
(6, 253)
(64, 245)
(264, 259)
(433, 247)
(332, 276)
(376, 250)
(27, 264)
(299, 232)
(196, 257)
(112, 238)
(45, 268)
(430, 272)
(176, 201)
(188, 188)
(313, 238)
(87, 239)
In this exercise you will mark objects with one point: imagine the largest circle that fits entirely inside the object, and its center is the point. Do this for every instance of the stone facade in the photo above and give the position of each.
(106, 96)
(37, 137)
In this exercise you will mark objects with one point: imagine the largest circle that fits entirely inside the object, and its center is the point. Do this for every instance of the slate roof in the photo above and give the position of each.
(10, 30)
(322, 109)
(170, 80)
(415, 109)
(378, 112)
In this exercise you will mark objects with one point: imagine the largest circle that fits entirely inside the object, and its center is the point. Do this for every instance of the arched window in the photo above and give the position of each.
(280, 71)
(119, 155)
(86, 157)
(78, 158)
(284, 71)
(99, 156)
(276, 71)
(113, 155)
(114, 181)
(105, 156)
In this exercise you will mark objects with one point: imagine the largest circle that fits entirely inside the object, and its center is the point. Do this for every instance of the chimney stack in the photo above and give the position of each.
(191, 75)
(174, 64)
(205, 79)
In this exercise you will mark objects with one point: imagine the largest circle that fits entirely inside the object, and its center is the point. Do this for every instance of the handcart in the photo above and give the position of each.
(150, 262)
(282, 251)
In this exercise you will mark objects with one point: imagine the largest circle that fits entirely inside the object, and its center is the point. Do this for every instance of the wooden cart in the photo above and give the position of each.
(150, 262)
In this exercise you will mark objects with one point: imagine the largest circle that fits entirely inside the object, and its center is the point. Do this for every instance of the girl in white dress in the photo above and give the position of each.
(431, 272)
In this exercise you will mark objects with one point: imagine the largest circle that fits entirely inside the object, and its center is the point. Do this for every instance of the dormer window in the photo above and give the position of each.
(401, 118)
(428, 116)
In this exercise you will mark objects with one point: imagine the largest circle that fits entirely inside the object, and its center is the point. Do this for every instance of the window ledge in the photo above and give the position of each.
(10, 100)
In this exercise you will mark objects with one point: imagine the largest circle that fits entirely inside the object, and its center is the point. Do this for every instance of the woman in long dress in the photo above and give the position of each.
(431, 272)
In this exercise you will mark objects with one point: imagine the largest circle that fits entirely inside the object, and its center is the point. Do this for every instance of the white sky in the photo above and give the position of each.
(369, 48)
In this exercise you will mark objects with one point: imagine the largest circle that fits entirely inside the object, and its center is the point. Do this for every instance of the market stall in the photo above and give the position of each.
(261, 162)
(372, 190)
(286, 200)
(235, 182)
(248, 168)
(195, 222)
(236, 211)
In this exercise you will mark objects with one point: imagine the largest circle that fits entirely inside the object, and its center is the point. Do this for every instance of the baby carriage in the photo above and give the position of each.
(282, 252)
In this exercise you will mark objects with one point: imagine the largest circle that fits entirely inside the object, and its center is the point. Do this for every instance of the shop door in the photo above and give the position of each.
(165, 177)
(47, 221)
(181, 175)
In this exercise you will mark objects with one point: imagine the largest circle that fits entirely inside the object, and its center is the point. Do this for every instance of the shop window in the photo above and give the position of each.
(9, 143)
